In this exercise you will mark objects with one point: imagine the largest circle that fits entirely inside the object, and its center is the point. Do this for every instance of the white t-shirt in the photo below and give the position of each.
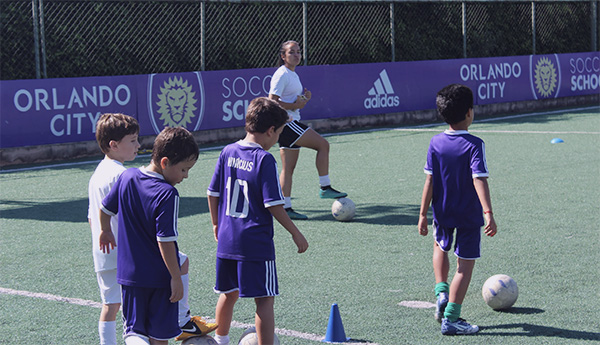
(286, 84)
(104, 177)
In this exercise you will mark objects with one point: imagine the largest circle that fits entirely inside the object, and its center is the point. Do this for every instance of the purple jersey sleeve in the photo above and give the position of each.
(271, 189)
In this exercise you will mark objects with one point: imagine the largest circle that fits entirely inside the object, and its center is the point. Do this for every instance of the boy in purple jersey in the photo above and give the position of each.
(148, 266)
(243, 197)
(457, 189)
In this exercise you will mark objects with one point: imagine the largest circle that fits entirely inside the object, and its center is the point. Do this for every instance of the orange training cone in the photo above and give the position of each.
(335, 328)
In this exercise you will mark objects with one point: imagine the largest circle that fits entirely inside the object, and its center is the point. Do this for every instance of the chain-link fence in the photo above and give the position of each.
(75, 38)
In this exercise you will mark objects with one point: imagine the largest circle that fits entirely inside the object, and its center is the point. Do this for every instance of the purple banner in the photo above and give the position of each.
(49, 111)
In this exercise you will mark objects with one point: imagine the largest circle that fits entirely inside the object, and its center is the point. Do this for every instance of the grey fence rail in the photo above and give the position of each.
(76, 38)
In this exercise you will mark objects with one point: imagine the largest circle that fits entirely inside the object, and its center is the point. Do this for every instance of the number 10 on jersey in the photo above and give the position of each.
(239, 189)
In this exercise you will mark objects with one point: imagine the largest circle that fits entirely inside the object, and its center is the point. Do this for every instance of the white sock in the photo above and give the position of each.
(324, 181)
(288, 201)
(108, 332)
(221, 339)
(184, 305)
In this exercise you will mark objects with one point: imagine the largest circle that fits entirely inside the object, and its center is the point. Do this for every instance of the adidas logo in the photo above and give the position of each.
(381, 95)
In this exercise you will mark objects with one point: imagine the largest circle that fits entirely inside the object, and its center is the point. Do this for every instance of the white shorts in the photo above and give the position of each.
(110, 290)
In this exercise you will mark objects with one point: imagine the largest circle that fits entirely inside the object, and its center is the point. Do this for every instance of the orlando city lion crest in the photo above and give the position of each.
(545, 76)
(176, 101)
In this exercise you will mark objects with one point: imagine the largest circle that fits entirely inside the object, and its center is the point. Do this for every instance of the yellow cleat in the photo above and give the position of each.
(196, 327)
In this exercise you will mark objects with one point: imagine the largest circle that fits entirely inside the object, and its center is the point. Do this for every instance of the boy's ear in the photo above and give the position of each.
(271, 130)
(164, 162)
(113, 144)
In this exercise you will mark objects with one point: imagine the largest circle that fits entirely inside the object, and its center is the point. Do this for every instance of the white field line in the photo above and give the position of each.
(494, 131)
(510, 117)
(50, 297)
(407, 129)
(235, 324)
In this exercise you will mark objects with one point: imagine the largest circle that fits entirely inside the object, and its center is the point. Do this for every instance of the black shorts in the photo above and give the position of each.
(291, 133)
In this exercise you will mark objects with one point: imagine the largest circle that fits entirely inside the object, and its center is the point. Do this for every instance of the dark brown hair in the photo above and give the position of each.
(264, 113)
(175, 143)
(282, 51)
(114, 126)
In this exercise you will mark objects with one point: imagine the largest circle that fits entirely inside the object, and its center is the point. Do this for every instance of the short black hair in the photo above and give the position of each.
(175, 143)
(264, 113)
(453, 102)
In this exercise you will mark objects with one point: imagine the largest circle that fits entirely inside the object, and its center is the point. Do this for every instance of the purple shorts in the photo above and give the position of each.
(468, 241)
(253, 279)
(148, 312)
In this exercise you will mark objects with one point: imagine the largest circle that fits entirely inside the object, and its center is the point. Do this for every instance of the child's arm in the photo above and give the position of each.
(425, 202)
(213, 207)
(483, 192)
(169, 254)
(282, 217)
(107, 238)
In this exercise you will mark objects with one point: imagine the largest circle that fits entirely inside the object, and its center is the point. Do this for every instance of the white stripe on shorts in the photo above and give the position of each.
(296, 129)
(270, 278)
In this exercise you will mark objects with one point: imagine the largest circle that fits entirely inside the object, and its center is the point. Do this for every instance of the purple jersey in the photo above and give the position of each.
(245, 180)
(148, 207)
(454, 158)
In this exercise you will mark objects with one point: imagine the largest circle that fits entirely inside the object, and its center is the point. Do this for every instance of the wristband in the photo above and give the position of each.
(486, 212)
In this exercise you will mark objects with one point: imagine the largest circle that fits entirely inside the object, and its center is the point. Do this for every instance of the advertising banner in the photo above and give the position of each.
(50, 111)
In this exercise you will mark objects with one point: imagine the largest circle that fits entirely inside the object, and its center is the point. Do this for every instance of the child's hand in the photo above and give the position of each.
(216, 232)
(423, 230)
(301, 242)
(176, 290)
(107, 241)
(491, 228)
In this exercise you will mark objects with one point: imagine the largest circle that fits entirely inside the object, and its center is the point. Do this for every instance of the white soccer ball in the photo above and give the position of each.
(500, 292)
(343, 209)
(249, 337)
(203, 340)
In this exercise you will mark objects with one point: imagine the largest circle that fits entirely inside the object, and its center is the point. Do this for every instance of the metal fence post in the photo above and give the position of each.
(392, 32)
(464, 28)
(533, 26)
(305, 32)
(36, 38)
(594, 24)
(202, 36)
(43, 40)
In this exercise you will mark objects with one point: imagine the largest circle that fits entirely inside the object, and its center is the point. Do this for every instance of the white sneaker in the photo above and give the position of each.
(459, 327)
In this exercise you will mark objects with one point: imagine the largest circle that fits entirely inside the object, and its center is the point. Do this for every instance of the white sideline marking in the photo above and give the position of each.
(50, 297)
(493, 131)
(509, 117)
(414, 128)
(235, 324)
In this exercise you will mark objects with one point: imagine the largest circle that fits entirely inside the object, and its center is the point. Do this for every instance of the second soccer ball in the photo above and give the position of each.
(343, 209)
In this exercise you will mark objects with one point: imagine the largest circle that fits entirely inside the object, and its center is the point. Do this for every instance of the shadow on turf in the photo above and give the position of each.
(378, 214)
(75, 211)
(514, 310)
(529, 330)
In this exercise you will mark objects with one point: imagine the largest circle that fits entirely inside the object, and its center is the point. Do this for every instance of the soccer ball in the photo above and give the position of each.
(343, 209)
(500, 292)
(203, 340)
(249, 337)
